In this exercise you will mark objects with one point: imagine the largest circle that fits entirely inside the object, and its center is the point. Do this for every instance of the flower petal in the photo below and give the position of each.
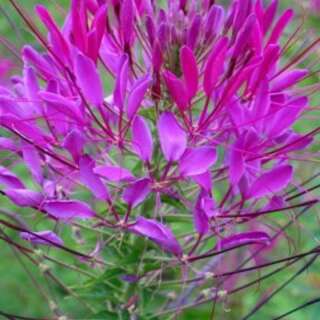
(173, 139)
(24, 197)
(91, 180)
(89, 80)
(136, 192)
(120, 88)
(197, 161)
(68, 209)
(158, 233)
(9, 179)
(137, 94)
(190, 71)
(254, 237)
(45, 237)
(177, 90)
(273, 181)
(114, 173)
(142, 139)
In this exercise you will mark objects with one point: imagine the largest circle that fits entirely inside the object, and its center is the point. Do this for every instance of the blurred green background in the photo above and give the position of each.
(18, 294)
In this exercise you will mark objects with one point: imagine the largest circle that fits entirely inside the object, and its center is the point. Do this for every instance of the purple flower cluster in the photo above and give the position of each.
(145, 104)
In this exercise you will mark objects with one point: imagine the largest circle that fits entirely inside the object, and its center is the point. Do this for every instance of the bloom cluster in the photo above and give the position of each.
(184, 110)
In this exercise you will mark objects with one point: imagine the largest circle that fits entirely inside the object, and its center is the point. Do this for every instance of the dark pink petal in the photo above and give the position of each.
(31, 56)
(214, 22)
(89, 80)
(288, 79)
(8, 144)
(91, 180)
(60, 45)
(194, 31)
(137, 94)
(273, 181)
(127, 20)
(286, 116)
(24, 197)
(74, 143)
(31, 87)
(254, 237)
(190, 71)
(63, 105)
(200, 217)
(68, 209)
(99, 22)
(46, 237)
(136, 192)
(119, 93)
(142, 139)
(236, 164)
(215, 66)
(204, 180)
(21, 128)
(173, 139)
(197, 161)
(297, 142)
(78, 25)
(114, 173)
(177, 90)
(32, 159)
(269, 15)
(237, 81)
(280, 26)
(9, 179)
(158, 233)
(244, 35)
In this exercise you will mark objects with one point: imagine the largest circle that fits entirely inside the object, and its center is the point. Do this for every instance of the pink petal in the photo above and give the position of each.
(68, 209)
(24, 197)
(142, 139)
(114, 173)
(254, 237)
(8, 144)
(200, 217)
(74, 143)
(158, 233)
(273, 181)
(127, 20)
(136, 192)
(288, 79)
(32, 159)
(173, 139)
(215, 66)
(197, 161)
(177, 90)
(286, 116)
(119, 93)
(190, 71)
(269, 15)
(280, 26)
(204, 180)
(62, 105)
(236, 165)
(9, 179)
(59, 44)
(91, 180)
(89, 80)
(46, 237)
(137, 94)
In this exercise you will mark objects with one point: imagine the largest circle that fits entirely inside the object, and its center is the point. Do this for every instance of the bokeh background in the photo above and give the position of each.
(18, 294)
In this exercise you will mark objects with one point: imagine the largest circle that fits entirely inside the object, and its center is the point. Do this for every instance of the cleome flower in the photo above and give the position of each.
(144, 106)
